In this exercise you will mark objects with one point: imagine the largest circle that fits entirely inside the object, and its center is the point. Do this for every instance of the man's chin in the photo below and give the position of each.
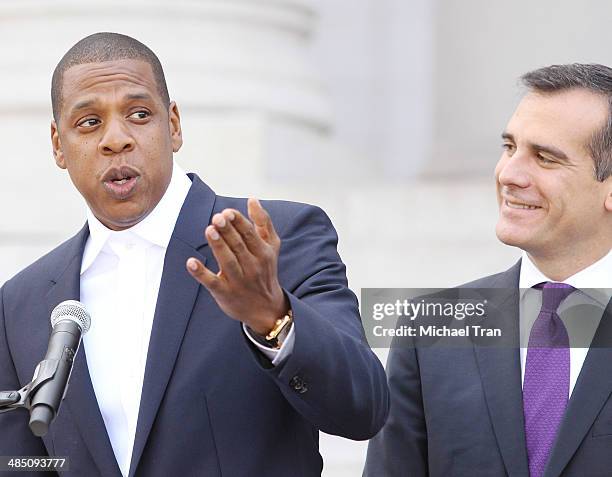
(512, 236)
(122, 221)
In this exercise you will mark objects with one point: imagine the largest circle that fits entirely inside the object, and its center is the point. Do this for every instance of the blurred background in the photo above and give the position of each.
(386, 113)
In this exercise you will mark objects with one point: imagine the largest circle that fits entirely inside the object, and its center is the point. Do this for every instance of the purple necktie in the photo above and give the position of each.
(546, 383)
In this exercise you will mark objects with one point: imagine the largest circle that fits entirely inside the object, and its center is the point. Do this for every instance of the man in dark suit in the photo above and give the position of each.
(543, 405)
(180, 373)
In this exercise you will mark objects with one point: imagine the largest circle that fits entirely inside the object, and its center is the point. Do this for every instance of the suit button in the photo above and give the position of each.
(298, 384)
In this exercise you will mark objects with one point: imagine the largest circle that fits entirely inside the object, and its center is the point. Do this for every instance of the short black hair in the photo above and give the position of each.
(593, 77)
(101, 47)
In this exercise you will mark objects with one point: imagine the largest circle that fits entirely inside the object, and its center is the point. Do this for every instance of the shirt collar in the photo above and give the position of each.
(595, 280)
(156, 228)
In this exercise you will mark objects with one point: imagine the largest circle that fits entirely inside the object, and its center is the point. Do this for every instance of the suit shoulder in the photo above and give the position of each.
(496, 280)
(45, 267)
(272, 206)
(282, 212)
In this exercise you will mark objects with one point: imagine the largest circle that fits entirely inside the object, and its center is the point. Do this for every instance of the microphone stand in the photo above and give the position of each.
(11, 400)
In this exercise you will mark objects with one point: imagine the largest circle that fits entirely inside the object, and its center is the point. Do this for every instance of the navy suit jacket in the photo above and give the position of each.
(211, 404)
(459, 411)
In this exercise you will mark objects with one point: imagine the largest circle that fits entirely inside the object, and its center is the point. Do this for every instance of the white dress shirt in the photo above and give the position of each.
(580, 312)
(120, 279)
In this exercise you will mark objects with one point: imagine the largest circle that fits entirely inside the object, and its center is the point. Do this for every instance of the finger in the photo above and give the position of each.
(228, 263)
(223, 223)
(247, 231)
(202, 274)
(262, 221)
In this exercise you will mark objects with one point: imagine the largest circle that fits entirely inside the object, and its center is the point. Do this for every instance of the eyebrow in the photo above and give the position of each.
(558, 153)
(87, 103)
(83, 105)
(145, 96)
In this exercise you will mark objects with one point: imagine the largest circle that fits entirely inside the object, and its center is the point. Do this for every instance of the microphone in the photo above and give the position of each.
(69, 320)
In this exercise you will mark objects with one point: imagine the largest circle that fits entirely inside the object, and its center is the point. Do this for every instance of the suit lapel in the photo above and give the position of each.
(500, 373)
(591, 391)
(177, 295)
(80, 397)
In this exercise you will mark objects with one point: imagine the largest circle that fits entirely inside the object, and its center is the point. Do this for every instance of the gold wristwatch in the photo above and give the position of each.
(278, 333)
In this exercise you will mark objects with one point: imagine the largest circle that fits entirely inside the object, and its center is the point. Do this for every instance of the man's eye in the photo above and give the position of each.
(89, 123)
(544, 160)
(508, 147)
(140, 115)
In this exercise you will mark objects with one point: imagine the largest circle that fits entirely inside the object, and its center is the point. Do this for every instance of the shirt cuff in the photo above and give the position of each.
(277, 356)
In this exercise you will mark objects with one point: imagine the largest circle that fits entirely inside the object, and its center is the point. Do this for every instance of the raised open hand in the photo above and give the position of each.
(246, 286)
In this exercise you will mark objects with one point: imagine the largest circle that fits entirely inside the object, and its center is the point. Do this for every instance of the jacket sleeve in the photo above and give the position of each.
(16, 438)
(400, 449)
(332, 377)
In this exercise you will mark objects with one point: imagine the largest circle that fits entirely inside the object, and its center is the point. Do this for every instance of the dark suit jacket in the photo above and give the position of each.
(459, 411)
(211, 404)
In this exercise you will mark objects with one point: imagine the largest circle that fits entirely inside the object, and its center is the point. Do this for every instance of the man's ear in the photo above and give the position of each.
(174, 122)
(607, 183)
(57, 146)
(608, 203)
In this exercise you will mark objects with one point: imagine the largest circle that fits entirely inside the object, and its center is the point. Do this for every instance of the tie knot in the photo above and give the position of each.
(553, 294)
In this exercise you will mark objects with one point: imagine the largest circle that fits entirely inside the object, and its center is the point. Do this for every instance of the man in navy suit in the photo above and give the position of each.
(223, 336)
(540, 405)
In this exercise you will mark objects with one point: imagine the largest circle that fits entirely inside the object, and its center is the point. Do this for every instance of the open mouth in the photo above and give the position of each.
(120, 182)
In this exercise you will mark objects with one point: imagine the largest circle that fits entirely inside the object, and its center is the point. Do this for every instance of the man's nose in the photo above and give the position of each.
(116, 139)
(514, 170)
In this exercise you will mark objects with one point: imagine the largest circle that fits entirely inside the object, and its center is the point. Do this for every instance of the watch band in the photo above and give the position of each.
(276, 336)
(278, 333)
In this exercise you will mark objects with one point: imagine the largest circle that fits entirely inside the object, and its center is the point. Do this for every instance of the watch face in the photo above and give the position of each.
(280, 339)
